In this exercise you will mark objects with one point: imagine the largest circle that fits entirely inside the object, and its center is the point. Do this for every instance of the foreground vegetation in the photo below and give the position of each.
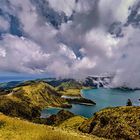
(16, 129)
(120, 123)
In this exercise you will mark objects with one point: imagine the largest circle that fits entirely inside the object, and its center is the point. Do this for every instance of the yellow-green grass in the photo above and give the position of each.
(16, 129)
(71, 92)
(117, 123)
(40, 94)
(27, 101)
(73, 123)
(70, 88)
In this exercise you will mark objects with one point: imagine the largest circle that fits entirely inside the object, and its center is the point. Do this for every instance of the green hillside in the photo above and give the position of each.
(72, 123)
(27, 100)
(120, 123)
(70, 88)
(16, 129)
(40, 94)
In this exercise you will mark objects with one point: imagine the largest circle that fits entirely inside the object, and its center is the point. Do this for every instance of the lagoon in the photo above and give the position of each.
(103, 98)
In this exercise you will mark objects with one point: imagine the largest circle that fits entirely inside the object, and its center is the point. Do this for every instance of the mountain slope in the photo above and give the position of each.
(114, 123)
(70, 88)
(16, 129)
(40, 94)
(27, 100)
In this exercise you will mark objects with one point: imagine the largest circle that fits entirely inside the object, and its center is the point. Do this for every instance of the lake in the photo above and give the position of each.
(103, 98)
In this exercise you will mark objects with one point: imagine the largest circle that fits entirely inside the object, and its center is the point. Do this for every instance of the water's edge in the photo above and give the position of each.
(104, 98)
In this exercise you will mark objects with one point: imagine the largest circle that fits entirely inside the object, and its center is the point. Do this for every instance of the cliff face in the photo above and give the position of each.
(114, 123)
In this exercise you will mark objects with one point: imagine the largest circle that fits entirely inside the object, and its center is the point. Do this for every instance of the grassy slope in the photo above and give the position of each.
(70, 88)
(16, 129)
(73, 88)
(27, 100)
(72, 123)
(40, 94)
(115, 123)
(71, 92)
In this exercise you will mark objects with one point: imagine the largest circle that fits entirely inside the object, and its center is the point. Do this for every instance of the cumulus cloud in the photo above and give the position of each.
(21, 55)
(82, 45)
(4, 24)
(111, 11)
(127, 62)
(66, 6)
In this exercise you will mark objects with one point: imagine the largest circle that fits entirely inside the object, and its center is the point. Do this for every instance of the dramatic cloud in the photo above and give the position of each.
(66, 6)
(21, 55)
(4, 24)
(127, 64)
(71, 38)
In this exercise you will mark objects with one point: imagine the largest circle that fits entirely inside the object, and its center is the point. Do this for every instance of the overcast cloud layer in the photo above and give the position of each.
(72, 38)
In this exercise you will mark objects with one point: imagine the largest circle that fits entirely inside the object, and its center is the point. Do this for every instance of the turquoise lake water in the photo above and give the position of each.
(103, 98)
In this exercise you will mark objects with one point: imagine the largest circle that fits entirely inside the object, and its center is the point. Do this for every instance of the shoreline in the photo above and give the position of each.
(76, 100)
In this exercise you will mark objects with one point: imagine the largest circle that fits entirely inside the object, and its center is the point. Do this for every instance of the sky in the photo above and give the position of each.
(71, 38)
